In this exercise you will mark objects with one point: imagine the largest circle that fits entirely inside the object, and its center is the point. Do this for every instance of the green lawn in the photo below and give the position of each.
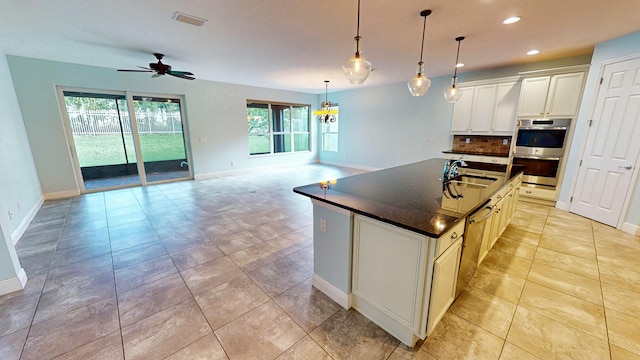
(108, 150)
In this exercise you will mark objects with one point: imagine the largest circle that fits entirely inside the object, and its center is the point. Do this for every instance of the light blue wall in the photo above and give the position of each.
(332, 249)
(215, 111)
(19, 187)
(603, 52)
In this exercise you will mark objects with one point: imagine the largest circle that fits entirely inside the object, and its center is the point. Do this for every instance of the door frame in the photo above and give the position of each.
(68, 132)
(585, 137)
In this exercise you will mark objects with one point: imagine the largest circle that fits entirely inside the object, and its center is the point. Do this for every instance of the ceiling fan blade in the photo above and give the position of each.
(142, 67)
(136, 70)
(172, 73)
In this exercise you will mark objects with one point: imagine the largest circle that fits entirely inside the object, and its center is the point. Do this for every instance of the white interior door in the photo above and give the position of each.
(611, 152)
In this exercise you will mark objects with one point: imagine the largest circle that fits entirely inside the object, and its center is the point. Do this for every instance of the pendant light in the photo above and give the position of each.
(357, 68)
(453, 94)
(326, 114)
(420, 83)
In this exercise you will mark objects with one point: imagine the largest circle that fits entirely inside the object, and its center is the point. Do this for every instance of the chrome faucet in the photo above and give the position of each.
(451, 169)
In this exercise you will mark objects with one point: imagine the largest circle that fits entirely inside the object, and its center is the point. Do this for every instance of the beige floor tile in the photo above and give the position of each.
(303, 258)
(66, 332)
(569, 310)
(618, 353)
(306, 349)
(619, 274)
(236, 241)
(11, 344)
(255, 256)
(550, 339)
(105, 348)
(17, 308)
(457, 339)
(143, 273)
(349, 335)
(289, 243)
(165, 332)
(151, 298)
(624, 330)
(570, 263)
(485, 310)
(515, 248)
(209, 275)
(195, 255)
(507, 263)
(621, 300)
(228, 301)
(533, 208)
(572, 245)
(267, 329)
(208, 347)
(306, 305)
(514, 233)
(403, 352)
(279, 276)
(498, 283)
(566, 282)
(529, 223)
(512, 352)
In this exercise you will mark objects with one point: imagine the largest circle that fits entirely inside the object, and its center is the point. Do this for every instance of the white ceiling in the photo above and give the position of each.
(297, 44)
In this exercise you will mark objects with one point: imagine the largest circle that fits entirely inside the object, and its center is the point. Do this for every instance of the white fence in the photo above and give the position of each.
(102, 122)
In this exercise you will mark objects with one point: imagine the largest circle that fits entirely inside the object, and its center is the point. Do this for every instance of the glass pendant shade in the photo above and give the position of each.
(357, 69)
(419, 85)
(452, 94)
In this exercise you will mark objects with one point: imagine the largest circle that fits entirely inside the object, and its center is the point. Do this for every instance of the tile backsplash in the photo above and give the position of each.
(478, 144)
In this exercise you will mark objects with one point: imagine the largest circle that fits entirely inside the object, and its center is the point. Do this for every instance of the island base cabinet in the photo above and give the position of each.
(389, 273)
(443, 288)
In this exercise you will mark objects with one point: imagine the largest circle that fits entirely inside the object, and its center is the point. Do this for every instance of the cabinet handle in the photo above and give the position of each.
(499, 196)
(528, 191)
(454, 235)
(510, 185)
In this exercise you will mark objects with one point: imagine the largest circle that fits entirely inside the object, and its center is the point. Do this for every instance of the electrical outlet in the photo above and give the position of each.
(468, 140)
(10, 215)
(323, 225)
(233, 163)
(505, 141)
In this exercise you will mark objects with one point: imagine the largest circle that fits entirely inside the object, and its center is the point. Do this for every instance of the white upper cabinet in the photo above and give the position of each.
(486, 108)
(551, 96)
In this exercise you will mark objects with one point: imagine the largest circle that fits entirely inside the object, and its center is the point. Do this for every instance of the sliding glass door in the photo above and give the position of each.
(124, 140)
(161, 138)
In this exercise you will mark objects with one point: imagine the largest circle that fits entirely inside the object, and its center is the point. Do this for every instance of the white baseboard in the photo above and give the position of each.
(332, 292)
(22, 227)
(61, 194)
(249, 170)
(630, 229)
(15, 284)
(562, 205)
(347, 165)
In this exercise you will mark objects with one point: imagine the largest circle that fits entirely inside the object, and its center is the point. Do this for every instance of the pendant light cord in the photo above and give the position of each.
(424, 28)
(455, 68)
(358, 31)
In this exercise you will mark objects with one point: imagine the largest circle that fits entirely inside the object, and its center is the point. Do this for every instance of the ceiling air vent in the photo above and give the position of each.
(178, 16)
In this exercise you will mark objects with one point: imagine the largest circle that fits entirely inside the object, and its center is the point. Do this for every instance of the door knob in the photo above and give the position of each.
(628, 167)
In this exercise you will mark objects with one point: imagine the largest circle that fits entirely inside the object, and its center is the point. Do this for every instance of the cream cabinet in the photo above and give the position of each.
(443, 288)
(486, 109)
(551, 96)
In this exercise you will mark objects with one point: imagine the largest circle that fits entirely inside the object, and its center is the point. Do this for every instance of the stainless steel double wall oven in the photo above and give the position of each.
(540, 147)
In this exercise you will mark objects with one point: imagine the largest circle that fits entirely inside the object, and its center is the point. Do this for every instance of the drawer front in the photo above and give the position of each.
(448, 238)
(544, 194)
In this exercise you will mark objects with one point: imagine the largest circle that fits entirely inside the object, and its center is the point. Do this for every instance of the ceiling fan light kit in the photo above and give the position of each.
(357, 68)
(420, 83)
(453, 94)
(163, 69)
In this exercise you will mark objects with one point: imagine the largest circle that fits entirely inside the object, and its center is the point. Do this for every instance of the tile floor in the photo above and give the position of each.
(221, 269)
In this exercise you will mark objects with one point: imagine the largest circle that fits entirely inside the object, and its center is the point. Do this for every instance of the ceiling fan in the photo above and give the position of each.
(161, 69)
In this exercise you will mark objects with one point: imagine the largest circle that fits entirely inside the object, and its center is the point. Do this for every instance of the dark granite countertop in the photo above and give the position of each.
(408, 196)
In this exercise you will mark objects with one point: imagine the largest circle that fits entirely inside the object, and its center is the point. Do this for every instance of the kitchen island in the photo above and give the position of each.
(389, 242)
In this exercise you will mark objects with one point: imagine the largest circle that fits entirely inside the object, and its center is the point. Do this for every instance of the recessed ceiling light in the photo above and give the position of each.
(511, 20)
(188, 19)
(533, 52)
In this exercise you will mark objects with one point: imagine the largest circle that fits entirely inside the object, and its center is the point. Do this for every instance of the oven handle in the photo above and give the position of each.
(536, 157)
(542, 128)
